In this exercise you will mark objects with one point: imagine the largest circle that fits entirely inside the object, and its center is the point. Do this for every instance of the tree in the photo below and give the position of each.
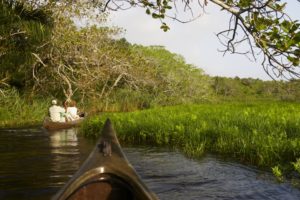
(76, 58)
(92, 57)
(24, 29)
(88, 61)
(261, 24)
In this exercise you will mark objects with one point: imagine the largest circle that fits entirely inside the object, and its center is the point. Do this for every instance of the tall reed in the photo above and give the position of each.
(16, 111)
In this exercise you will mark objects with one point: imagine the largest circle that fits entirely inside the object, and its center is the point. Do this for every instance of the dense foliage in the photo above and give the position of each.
(15, 111)
(57, 59)
(23, 31)
(249, 89)
(91, 64)
(46, 53)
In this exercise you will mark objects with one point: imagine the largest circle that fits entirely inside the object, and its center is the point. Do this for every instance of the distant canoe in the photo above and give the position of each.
(106, 174)
(50, 125)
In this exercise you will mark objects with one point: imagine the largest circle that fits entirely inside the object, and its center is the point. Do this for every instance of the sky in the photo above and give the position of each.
(196, 41)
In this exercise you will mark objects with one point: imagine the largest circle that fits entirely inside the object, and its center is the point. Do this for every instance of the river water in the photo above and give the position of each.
(34, 164)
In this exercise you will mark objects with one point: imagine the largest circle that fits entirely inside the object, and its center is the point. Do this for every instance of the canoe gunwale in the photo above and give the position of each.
(50, 125)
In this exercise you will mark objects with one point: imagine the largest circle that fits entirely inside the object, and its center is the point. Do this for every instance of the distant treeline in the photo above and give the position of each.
(255, 89)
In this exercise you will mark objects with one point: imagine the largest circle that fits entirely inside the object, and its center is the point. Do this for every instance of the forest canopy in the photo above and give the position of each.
(44, 52)
(91, 62)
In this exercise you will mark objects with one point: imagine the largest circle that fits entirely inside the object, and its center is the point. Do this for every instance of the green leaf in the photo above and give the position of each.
(155, 16)
(297, 37)
(244, 3)
(261, 27)
(164, 27)
(280, 7)
(285, 25)
(297, 52)
(148, 11)
(293, 28)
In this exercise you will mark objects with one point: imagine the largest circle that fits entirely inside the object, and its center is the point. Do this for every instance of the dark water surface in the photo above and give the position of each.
(34, 164)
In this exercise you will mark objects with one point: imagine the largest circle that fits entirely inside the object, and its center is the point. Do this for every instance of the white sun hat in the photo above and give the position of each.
(54, 102)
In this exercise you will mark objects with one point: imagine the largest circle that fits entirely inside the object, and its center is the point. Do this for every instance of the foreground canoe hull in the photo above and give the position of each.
(50, 125)
(106, 174)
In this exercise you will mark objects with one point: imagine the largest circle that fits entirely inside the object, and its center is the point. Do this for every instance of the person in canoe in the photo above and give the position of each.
(71, 110)
(57, 113)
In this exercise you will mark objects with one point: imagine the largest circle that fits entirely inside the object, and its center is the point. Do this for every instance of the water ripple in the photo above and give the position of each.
(172, 176)
(35, 164)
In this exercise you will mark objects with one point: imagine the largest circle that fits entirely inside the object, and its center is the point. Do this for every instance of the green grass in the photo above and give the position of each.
(260, 134)
(17, 112)
(263, 134)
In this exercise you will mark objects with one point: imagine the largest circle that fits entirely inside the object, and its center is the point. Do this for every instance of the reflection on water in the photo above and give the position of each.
(35, 164)
(64, 145)
(63, 138)
(63, 149)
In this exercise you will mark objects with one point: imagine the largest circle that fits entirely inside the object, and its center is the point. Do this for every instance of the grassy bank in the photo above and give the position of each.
(17, 112)
(261, 134)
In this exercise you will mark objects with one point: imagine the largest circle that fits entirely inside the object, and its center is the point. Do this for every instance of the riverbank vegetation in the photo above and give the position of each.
(260, 134)
(90, 63)
(45, 53)
(16, 111)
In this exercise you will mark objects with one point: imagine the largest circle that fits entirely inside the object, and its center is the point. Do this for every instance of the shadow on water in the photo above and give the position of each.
(34, 164)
